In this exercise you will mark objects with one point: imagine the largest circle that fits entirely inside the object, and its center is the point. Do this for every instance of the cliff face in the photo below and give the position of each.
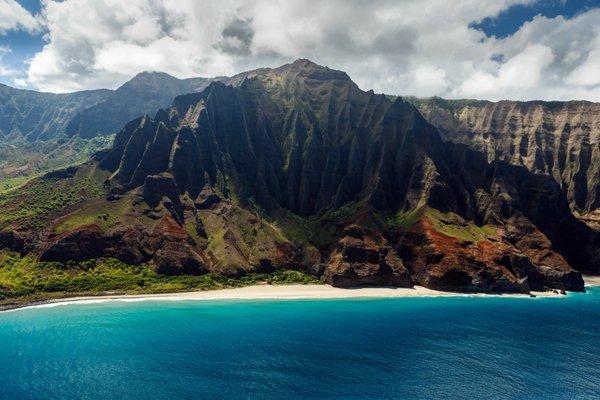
(561, 139)
(296, 167)
(300, 137)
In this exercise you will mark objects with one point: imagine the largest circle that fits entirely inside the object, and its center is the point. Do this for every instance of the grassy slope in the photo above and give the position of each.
(448, 224)
(7, 184)
(96, 211)
(23, 279)
(28, 205)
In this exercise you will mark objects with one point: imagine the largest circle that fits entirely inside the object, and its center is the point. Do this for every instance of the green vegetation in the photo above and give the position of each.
(27, 205)
(299, 230)
(22, 160)
(344, 213)
(448, 224)
(240, 236)
(7, 184)
(452, 225)
(76, 220)
(99, 211)
(405, 220)
(23, 279)
(319, 230)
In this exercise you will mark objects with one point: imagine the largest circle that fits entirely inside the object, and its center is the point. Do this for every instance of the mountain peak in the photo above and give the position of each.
(305, 62)
(150, 77)
(152, 74)
(310, 69)
(302, 67)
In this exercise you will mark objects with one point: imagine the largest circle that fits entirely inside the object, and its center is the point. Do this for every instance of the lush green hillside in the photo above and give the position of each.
(21, 160)
(24, 279)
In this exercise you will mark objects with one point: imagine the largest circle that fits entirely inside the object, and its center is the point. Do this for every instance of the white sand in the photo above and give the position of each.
(278, 292)
(591, 280)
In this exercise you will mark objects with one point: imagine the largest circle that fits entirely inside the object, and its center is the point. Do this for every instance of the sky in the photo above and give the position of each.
(485, 49)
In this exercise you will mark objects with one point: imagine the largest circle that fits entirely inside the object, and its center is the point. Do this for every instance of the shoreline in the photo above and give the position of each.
(591, 280)
(277, 292)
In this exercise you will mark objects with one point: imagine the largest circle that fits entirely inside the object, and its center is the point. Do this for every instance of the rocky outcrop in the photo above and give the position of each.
(440, 261)
(176, 254)
(362, 259)
(168, 247)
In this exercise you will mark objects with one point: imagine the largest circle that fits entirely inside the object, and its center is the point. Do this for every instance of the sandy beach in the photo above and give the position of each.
(591, 280)
(277, 292)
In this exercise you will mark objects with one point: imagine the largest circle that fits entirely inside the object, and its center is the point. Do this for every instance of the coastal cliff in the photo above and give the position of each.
(297, 168)
(560, 139)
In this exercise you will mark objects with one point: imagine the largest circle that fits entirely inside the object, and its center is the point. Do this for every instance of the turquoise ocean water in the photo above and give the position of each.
(423, 348)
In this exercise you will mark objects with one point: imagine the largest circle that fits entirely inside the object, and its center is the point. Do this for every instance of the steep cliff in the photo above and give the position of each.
(296, 167)
(561, 139)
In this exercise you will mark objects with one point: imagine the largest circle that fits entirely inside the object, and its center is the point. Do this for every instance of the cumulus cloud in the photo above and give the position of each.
(409, 47)
(588, 72)
(14, 16)
(519, 74)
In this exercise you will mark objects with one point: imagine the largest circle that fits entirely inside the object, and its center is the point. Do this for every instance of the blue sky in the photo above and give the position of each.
(510, 20)
(23, 45)
(494, 49)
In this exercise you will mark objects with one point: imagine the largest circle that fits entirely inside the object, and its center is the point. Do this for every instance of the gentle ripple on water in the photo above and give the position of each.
(442, 348)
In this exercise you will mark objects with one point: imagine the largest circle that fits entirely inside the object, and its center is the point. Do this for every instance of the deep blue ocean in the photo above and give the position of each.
(417, 348)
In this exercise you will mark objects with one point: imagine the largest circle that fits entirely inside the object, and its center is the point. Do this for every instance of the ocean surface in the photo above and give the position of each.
(418, 348)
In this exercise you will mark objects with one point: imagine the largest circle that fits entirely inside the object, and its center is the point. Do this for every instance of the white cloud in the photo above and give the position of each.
(429, 80)
(14, 16)
(410, 47)
(519, 74)
(588, 73)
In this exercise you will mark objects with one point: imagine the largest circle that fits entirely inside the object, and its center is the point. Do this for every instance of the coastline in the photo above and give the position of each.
(274, 292)
(591, 280)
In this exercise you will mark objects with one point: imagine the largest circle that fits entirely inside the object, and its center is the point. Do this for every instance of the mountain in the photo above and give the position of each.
(146, 93)
(39, 131)
(38, 116)
(41, 116)
(560, 139)
(297, 168)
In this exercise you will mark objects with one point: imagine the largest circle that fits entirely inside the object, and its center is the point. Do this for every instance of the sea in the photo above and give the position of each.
(463, 347)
